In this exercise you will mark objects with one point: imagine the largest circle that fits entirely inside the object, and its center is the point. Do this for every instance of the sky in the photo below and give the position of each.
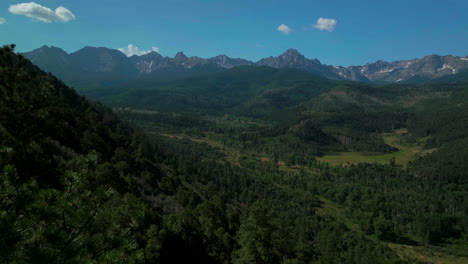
(347, 32)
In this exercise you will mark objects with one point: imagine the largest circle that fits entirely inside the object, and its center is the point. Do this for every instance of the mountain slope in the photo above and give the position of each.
(407, 71)
(70, 171)
(52, 59)
(101, 63)
(461, 77)
(221, 92)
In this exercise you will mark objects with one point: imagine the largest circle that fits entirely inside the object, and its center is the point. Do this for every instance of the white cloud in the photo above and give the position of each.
(327, 24)
(64, 14)
(42, 13)
(2, 20)
(284, 29)
(132, 50)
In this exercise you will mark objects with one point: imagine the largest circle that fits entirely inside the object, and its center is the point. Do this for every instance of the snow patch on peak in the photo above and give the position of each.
(385, 70)
(446, 66)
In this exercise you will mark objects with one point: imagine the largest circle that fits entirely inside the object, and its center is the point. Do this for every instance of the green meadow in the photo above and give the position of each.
(406, 152)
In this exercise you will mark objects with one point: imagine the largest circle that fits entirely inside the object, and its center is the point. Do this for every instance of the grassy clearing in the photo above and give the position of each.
(137, 111)
(406, 252)
(342, 158)
(405, 154)
(232, 155)
(430, 255)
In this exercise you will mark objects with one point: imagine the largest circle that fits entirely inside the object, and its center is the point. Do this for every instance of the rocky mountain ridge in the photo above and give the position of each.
(109, 63)
(409, 71)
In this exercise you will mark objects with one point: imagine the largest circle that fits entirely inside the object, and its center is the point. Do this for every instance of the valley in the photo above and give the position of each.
(234, 132)
(290, 143)
(243, 164)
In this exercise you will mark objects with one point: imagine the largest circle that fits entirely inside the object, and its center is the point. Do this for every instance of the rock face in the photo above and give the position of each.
(406, 71)
(149, 62)
(226, 62)
(293, 59)
(104, 63)
(289, 59)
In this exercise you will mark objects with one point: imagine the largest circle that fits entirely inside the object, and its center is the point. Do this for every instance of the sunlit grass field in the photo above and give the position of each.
(406, 152)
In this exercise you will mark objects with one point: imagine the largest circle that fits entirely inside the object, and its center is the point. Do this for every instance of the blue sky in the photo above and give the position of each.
(365, 31)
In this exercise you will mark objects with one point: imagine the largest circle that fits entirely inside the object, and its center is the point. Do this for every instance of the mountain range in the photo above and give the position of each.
(104, 64)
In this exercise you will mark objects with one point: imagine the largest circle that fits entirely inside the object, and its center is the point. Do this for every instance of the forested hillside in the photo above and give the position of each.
(211, 179)
(72, 174)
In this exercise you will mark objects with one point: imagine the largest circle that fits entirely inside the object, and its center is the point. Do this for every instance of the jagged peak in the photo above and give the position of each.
(98, 49)
(180, 56)
(292, 52)
(226, 57)
(46, 48)
(222, 56)
(152, 54)
(317, 61)
(49, 47)
(432, 57)
(294, 55)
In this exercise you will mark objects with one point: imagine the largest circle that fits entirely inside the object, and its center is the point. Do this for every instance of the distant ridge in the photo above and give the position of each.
(109, 64)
